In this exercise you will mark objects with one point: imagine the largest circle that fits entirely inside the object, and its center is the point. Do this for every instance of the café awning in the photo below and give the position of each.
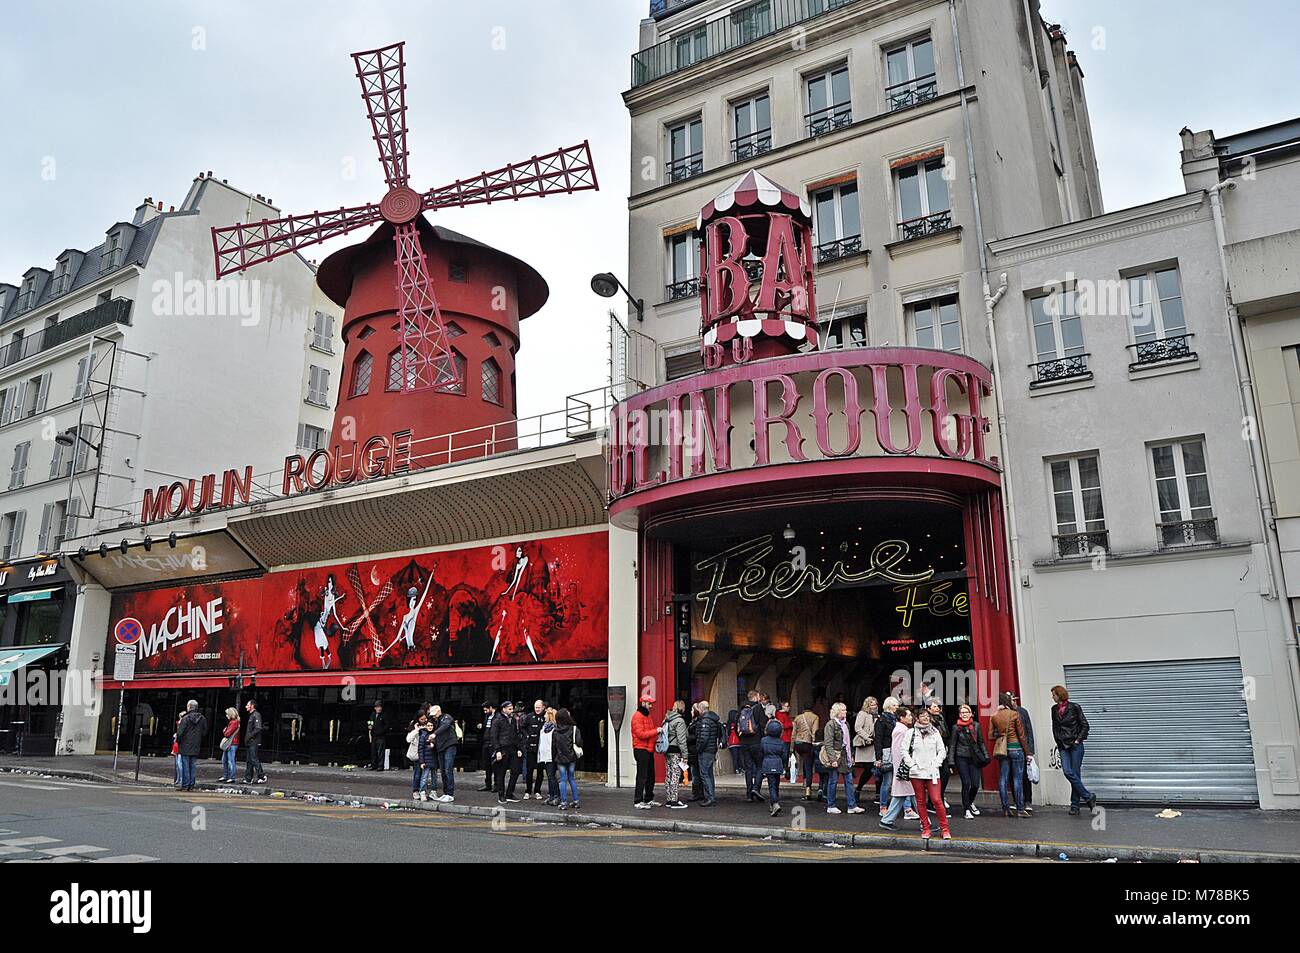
(12, 659)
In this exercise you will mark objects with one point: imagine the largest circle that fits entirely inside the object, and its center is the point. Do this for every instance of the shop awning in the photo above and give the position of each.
(11, 660)
(32, 595)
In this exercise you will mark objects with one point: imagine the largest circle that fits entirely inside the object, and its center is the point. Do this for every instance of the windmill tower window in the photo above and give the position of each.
(362, 371)
(492, 381)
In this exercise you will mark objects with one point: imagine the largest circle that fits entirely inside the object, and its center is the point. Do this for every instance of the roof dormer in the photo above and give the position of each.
(116, 242)
(66, 267)
(33, 286)
(8, 295)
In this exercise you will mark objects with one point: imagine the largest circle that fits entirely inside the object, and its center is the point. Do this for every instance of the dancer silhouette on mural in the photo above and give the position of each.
(523, 613)
(406, 628)
(328, 624)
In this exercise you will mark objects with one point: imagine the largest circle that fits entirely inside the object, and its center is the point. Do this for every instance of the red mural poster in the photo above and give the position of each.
(511, 604)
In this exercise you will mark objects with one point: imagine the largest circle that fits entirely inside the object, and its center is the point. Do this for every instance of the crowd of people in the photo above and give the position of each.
(909, 752)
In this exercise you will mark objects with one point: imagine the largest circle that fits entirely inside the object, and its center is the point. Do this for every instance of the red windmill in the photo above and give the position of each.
(426, 357)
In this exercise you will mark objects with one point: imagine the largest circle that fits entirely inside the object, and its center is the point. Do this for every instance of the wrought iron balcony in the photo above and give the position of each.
(829, 119)
(723, 34)
(755, 144)
(689, 288)
(1070, 545)
(114, 311)
(1189, 532)
(916, 228)
(1174, 348)
(685, 167)
(840, 248)
(1059, 369)
(913, 92)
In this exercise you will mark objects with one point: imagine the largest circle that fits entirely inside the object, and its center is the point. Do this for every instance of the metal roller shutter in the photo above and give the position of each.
(1166, 731)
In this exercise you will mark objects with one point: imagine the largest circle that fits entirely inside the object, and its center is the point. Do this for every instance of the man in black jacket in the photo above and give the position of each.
(708, 733)
(378, 726)
(753, 723)
(485, 746)
(533, 772)
(189, 738)
(254, 773)
(507, 752)
(445, 742)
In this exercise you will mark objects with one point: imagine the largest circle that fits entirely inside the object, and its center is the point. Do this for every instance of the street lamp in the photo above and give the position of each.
(607, 285)
(69, 438)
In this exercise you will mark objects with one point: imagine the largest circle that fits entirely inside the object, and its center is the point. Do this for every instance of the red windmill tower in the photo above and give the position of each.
(371, 285)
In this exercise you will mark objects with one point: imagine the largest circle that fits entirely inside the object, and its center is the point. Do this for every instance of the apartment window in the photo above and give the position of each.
(449, 384)
(691, 47)
(685, 149)
(752, 22)
(362, 370)
(310, 438)
(15, 352)
(11, 534)
(1058, 337)
(83, 446)
(1155, 308)
(837, 222)
(846, 330)
(104, 297)
(112, 256)
(828, 100)
(924, 205)
(322, 332)
(35, 395)
(936, 323)
(61, 462)
(51, 323)
(1076, 500)
(27, 295)
(318, 384)
(491, 381)
(62, 278)
(53, 527)
(1182, 484)
(8, 404)
(751, 123)
(909, 71)
(18, 470)
(683, 263)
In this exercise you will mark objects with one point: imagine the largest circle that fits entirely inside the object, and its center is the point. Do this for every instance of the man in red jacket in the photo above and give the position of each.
(644, 734)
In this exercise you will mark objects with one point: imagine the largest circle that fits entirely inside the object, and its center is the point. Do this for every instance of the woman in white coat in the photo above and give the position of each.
(864, 743)
(924, 754)
(901, 794)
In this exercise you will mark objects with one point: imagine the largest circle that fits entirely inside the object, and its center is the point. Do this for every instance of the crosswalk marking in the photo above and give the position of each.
(27, 841)
(32, 787)
(76, 849)
(125, 859)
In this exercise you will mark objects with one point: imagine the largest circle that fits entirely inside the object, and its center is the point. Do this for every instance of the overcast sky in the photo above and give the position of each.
(134, 98)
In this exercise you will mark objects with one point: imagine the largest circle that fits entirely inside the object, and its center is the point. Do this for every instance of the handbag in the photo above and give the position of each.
(981, 752)
(1000, 747)
(577, 742)
(225, 743)
(903, 772)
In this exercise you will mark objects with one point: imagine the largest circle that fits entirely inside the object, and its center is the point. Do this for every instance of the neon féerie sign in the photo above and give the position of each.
(740, 571)
(936, 600)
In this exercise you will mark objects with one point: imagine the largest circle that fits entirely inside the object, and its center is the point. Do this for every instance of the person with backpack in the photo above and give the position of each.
(969, 756)
(229, 745)
(837, 760)
(751, 726)
(253, 771)
(673, 740)
(546, 756)
(733, 742)
(924, 754)
(1070, 731)
(189, 738)
(446, 739)
(644, 735)
(774, 765)
(708, 740)
(566, 745)
(507, 752)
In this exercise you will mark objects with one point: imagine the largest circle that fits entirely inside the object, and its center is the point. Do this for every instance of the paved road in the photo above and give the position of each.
(55, 820)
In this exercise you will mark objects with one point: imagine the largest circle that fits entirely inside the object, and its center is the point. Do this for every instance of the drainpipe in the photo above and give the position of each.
(1258, 467)
(991, 299)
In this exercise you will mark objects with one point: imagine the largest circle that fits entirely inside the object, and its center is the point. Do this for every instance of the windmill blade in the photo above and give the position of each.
(382, 73)
(427, 360)
(561, 171)
(236, 247)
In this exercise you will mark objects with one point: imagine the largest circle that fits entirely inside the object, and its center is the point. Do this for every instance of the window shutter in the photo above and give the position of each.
(70, 520)
(43, 540)
(20, 523)
(20, 401)
(81, 378)
(81, 458)
(56, 461)
(44, 399)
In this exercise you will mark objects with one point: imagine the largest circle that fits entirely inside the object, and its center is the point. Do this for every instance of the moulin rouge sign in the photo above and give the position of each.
(379, 456)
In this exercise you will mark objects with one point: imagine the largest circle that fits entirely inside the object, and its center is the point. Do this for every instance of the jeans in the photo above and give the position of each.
(447, 762)
(925, 787)
(970, 781)
(253, 764)
(427, 779)
(552, 783)
(645, 776)
(774, 789)
(1072, 768)
(417, 773)
(568, 777)
(377, 747)
(737, 761)
(228, 762)
(807, 761)
(753, 760)
(707, 766)
(886, 781)
(850, 796)
(1012, 766)
(187, 770)
(897, 805)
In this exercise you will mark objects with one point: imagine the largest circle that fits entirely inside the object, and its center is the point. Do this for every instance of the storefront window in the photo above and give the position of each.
(38, 622)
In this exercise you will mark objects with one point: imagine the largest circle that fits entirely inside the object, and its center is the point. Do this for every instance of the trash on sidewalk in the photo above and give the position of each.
(277, 794)
(1169, 814)
(833, 844)
(1111, 860)
(1062, 856)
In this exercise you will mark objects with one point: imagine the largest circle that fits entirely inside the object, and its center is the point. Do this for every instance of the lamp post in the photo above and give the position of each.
(607, 285)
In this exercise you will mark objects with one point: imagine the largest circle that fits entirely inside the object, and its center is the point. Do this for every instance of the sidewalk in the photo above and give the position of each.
(1129, 834)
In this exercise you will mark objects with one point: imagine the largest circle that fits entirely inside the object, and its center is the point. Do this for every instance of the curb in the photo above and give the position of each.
(1084, 852)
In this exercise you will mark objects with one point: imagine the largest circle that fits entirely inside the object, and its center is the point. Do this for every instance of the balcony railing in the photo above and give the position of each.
(916, 228)
(840, 248)
(1059, 369)
(114, 311)
(685, 167)
(688, 288)
(723, 34)
(1189, 532)
(913, 92)
(755, 144)
(1070, 545)
(1175, 348)
(829, 119)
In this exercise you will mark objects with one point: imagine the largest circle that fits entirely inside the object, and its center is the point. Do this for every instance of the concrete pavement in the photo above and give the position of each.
(1125, 834)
